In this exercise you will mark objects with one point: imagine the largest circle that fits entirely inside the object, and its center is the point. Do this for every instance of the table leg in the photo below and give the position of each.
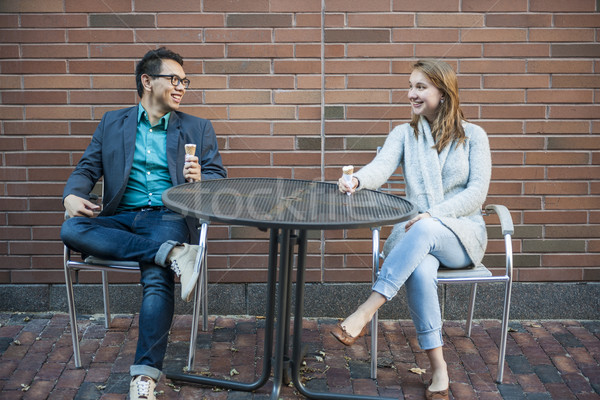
(297, 349)
(268, 342)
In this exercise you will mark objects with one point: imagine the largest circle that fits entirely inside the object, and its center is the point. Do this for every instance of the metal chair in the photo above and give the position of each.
(97, 264)
(470, 275)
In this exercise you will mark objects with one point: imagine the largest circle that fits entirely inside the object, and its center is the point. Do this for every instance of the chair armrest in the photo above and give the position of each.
(506, 223)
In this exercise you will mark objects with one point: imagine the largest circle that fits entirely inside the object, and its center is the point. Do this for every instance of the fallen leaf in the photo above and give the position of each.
(233, 372)
(322, 353)
(24, 387)
(17, 342)
(100, 387)
(233, 350)
(417, 371)
(26, 319)
(319, 358)
(512, 330)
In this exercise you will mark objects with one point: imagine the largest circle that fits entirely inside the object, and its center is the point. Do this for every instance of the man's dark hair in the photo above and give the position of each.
(151, 64)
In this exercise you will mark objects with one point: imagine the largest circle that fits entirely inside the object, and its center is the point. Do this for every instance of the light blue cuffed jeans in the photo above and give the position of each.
(414, 261)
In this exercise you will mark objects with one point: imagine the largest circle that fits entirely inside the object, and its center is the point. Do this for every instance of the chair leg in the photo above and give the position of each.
(375, 317)
(106, 299)
(199, 297)
(204, 294)
(471, 309)
(504, 334)
(72, 316)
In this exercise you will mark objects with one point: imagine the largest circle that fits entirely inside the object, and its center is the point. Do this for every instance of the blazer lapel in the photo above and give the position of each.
(174, 161)
(129, 134)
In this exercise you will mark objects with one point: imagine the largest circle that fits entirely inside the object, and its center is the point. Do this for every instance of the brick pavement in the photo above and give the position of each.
(546, 359)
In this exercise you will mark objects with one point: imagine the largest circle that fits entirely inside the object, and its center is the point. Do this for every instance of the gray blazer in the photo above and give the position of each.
(451, 186)
(110, 154)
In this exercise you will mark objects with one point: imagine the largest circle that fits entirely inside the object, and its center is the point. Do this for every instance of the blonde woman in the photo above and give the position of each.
(447, 167)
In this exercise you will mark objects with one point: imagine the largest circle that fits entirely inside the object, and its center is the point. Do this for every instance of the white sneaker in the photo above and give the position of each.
(142, 388)
(183, 259)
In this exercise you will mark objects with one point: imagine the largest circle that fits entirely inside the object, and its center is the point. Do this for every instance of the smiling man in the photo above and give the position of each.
(140, 152)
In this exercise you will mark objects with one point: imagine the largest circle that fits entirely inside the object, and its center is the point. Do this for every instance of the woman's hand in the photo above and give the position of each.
(191, 169)
(343, 186)
(415, 219)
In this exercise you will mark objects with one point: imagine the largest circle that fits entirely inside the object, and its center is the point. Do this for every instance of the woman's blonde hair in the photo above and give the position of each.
(447, 126)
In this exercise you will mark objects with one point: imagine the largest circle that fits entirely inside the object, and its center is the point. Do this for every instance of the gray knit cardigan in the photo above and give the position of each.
(450, 186)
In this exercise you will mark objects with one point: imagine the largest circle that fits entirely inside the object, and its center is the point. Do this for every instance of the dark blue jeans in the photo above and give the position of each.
(137, 236)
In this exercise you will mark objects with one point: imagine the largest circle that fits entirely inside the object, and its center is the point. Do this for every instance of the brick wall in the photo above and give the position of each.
(296, 89)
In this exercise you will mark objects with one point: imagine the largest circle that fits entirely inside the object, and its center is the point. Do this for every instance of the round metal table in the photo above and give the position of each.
(289, 208)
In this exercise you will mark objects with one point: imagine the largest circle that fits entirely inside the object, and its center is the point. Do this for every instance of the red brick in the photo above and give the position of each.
(554, 127)
(297, 97)
(376, 81)
(297, 35)
(237, 35)
(238, 97)
(53, 20)
(492, 96)
(555, 217)
(493, 6)
(190, 20)
(296, 128)
(70, 112)
(238, 67)
(517, 143)
(297, 67)
(236, 5)
(560, 96)
(91, 6)
(100, 67)
(33, 67)
(556, 187)
(33, 36)
(11, 112)
(494, 35)
(513, 112)
(260, 51)
(10, 21)
(305, 20)
(573, 172)
(295, 6)
(516, 50)
(367, 20)
(516, 81)
(313, 50)
(426, 6)
(377, 112)
(557, 5)
(380, 50)
(100, 35)
(10, 82)
(574, 112)
(561, 35)
(549, 274)
(352, 66)
(35, 97)
(575, 81)
(17, 6)
(518, 20)
(577, 20)
(448, 50)
(572, 203)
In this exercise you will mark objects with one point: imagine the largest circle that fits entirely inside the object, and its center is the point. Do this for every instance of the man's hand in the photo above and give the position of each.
(191, 169)
(415, 219)
(79, 207)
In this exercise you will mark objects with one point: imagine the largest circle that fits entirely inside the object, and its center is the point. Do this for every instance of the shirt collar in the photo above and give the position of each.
(164, 121)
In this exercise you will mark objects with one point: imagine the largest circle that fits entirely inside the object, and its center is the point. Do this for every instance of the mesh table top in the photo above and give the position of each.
(286, 203)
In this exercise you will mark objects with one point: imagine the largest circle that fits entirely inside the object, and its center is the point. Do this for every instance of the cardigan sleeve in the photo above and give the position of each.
(378, 171)
(469, 200)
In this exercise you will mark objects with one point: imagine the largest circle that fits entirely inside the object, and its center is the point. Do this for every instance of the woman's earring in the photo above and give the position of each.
(442, 101)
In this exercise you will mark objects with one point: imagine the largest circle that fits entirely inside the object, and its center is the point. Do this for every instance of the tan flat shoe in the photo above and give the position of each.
(437, 395)
(339, 332)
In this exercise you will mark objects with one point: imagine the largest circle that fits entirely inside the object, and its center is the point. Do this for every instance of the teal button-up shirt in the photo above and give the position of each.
(149, 175)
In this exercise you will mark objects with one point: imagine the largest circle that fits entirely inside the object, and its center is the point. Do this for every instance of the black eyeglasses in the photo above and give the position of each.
(175, 80)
